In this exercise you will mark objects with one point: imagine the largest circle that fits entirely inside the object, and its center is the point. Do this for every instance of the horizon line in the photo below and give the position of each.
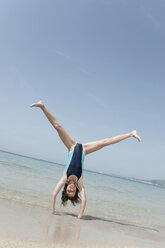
(91, 171)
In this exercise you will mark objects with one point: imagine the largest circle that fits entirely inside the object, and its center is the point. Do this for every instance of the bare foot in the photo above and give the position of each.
(135, 135)
(38, 104)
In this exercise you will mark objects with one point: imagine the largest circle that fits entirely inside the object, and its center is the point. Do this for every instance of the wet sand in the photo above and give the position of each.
(28, 226)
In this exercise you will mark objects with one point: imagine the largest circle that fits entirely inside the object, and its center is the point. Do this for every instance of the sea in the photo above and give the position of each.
(31, 181)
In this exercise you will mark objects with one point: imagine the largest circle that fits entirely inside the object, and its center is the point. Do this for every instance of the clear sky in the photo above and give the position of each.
(99, 67)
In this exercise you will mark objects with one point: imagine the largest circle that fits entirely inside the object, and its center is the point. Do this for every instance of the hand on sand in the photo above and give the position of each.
(79, 216)
(52, 211)
(38, 104)
(135, 135)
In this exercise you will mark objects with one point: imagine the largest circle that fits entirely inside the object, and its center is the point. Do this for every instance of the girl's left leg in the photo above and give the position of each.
(68, 141)
(97, 145)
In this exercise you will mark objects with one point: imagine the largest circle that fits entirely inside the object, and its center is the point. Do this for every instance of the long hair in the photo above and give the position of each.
(65, 197)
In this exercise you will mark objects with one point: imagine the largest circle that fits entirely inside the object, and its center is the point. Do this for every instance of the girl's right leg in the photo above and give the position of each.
(65, 137)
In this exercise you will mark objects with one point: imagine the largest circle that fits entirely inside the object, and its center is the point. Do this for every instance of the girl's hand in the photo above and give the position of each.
(79, 216)
(52, 211)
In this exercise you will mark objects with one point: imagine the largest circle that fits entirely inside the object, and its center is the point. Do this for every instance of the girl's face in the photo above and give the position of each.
(71, 190)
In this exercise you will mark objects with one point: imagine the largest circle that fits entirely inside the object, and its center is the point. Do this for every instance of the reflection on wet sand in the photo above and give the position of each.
(62, 230)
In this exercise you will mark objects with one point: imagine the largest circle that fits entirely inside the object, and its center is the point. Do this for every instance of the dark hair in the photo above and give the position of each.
(65, 197)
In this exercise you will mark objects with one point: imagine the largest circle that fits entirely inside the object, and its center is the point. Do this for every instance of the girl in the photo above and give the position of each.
(72, 175)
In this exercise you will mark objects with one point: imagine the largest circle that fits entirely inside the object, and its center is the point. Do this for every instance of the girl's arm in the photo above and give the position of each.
(83, 199)
(56, 190)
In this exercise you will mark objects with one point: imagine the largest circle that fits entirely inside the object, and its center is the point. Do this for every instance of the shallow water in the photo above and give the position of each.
(32, 181)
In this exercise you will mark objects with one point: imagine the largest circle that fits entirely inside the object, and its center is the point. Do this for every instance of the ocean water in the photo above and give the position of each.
(32, 181)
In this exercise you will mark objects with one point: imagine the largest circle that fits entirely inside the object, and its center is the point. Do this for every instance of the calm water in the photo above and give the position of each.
(32, 181)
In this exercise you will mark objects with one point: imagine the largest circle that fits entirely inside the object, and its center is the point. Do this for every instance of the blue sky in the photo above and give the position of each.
(99, 68)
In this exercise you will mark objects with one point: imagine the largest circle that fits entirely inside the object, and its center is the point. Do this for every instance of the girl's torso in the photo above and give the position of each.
(75, 162)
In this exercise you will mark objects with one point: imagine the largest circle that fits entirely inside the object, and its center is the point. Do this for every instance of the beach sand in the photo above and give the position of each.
(26, 226)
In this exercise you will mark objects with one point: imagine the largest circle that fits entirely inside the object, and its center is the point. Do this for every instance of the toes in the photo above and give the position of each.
(33, 105)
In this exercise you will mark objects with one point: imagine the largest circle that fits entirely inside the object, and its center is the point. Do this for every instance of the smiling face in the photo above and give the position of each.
(71, 190)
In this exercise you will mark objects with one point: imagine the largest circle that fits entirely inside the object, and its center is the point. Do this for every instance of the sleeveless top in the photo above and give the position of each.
(75, 162)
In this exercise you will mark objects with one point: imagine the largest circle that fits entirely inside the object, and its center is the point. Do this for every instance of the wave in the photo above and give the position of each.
(16, 165)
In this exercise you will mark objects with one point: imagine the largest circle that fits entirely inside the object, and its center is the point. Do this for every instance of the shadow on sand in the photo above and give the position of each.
(89, 217)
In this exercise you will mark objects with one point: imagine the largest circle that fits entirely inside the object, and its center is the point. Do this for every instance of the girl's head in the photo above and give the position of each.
(70, 192)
